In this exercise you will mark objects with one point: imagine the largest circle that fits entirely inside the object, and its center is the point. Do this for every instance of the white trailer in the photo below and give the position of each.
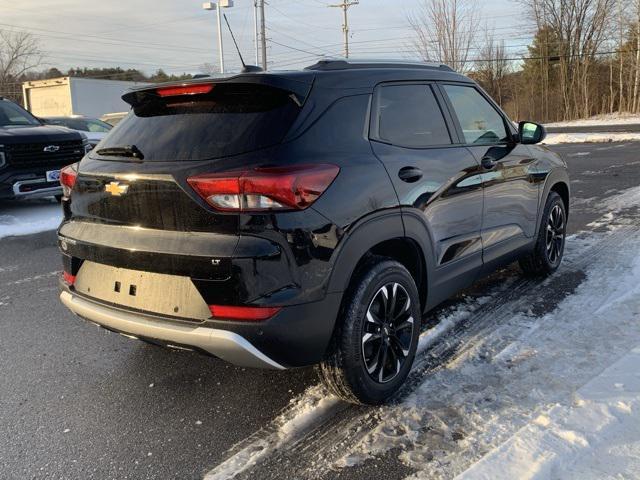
(66, 96)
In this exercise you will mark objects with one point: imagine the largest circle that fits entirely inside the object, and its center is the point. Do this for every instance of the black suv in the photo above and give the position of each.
(311, 217)
(32, 154)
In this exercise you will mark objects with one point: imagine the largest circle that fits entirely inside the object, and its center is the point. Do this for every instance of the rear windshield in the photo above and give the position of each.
(229, 120)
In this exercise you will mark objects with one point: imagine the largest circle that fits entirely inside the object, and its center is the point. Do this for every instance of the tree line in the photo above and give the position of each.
(584, 58)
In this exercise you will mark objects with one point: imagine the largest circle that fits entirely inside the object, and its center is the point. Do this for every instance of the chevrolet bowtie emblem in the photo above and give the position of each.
(115, 189)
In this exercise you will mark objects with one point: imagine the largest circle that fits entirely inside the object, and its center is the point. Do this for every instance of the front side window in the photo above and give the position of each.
(480, 122)
(98, 126)
(409, 116)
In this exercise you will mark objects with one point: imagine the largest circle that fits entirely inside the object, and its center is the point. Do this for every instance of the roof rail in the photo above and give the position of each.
(349, 64)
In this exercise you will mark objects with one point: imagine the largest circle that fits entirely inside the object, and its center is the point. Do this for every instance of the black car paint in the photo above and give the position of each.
(18, 136)
(304, 260)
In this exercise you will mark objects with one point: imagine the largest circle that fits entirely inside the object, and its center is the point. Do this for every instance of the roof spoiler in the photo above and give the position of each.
(300, 85)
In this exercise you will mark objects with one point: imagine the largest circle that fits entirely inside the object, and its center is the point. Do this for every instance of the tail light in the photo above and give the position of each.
(263, 189)
(248, 314)
(68, 176)
(68, 278)
(184, 90)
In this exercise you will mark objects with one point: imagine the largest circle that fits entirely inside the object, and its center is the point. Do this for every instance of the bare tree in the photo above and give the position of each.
(19, 53)
(636, 80)
(446, 31)
(492, 67)
(581, 27)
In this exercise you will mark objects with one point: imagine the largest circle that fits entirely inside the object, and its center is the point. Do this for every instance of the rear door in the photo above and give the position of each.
(435, 179)
(511, 193)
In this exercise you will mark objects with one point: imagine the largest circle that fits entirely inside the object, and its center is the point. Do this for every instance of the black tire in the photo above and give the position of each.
(363, 348)
(546, 257)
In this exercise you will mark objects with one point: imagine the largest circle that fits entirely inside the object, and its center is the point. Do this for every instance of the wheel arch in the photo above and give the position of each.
(384, 235)
(557, 181)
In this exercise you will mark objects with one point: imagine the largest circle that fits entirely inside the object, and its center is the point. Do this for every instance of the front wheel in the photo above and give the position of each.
(375, 341)
(549, 249)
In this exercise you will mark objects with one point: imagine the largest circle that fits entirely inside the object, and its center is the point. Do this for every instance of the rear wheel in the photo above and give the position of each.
(375, 342)
(547, 254)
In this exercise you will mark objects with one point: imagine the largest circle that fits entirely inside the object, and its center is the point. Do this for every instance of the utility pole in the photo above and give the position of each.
(263, 36)
(345, 26)
(255, 31)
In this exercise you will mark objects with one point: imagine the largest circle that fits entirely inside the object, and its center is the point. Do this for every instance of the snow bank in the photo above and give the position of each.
(26, 218)
(596, 437)
(558, 138)
(608, 119)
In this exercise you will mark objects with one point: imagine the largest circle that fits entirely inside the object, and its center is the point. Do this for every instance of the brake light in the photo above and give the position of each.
(184, 90)
(68, 176)
(263, 189)
(248, 314)
(68, 278)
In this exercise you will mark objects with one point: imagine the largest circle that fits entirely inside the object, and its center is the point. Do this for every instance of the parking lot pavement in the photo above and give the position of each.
(79, 402)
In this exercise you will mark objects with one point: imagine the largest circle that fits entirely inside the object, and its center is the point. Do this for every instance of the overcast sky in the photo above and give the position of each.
(179, 36)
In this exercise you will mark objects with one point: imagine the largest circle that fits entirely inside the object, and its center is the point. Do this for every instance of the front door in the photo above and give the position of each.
(511, 194)
(435, 179)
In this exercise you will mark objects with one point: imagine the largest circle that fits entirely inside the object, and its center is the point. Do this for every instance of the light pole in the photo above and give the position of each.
(213, 6)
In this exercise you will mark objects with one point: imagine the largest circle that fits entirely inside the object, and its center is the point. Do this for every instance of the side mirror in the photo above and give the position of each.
(531, 133)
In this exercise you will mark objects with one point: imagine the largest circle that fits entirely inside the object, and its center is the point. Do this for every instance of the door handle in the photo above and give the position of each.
(488, 162)
(410, 174)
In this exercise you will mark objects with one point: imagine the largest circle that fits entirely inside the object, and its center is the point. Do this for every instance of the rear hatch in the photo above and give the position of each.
(178, 133)
(131, 205)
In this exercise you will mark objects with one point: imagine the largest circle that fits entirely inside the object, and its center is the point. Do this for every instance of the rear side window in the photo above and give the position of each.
(480, 122)
(231, 119)
(409, 116)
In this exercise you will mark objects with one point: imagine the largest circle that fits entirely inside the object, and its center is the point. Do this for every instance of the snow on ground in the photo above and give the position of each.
(608, 119)
(551, 392)
(303, 412)
(558, 138)
(27, 217)
(597, 436)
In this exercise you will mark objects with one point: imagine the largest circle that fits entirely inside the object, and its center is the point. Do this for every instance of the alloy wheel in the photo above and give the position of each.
(387, 332)
(555, 234)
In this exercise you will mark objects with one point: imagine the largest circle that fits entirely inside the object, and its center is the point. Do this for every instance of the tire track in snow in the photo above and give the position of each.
(330, 428)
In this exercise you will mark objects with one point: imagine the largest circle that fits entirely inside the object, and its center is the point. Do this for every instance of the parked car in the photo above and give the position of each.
(113, 118)
(281, 220)
(32, 154)
(94, 129)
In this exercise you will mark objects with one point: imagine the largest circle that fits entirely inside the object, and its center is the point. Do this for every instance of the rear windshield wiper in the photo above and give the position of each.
(124, 151)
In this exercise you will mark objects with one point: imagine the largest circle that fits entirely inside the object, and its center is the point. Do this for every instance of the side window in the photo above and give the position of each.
(480, 122)
(409, 116)
(97, 127)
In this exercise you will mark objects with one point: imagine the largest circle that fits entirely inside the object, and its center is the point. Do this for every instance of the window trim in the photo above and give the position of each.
(374, 123)
(456, 121)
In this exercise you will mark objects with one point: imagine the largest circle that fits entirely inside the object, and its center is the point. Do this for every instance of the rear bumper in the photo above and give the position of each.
(224, 344)
(295, 337)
